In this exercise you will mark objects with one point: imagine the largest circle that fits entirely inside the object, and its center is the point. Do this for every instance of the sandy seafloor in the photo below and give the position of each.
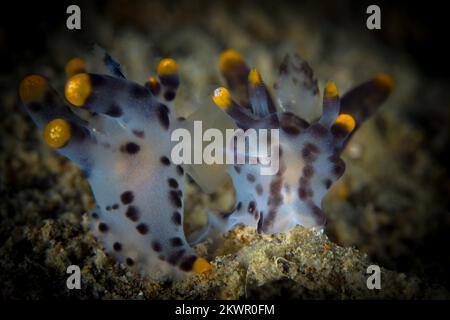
(390, 208)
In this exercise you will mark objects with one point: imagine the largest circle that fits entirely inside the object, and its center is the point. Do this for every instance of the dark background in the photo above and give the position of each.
(419, 27)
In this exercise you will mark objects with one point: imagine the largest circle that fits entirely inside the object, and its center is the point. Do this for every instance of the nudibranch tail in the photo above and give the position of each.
(309, 143)
(124, 149)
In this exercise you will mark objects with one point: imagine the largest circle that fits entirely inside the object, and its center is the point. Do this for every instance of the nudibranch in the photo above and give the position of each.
(123, 146)
(310, 143)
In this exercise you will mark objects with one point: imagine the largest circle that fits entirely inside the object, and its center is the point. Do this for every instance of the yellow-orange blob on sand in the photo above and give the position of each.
(167, 67)
(222, 98)
(75, 66)
(57, 133)
(201, 266)
(346, 121)
(32, 88)
(78, 89)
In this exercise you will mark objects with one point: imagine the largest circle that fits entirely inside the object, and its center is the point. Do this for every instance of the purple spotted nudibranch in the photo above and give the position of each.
(119, 133)
(310, 143)
(123, 147)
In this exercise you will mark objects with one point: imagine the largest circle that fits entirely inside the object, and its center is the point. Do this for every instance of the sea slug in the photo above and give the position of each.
(119, 133)
(123, 147)
(310, 143)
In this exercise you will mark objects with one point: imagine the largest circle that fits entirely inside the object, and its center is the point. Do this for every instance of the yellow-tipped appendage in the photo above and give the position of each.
(385, 81)
(78, 89)
(254, 78)
(229, 59)
(152, 81)
(346, 121)
(75, 66)
(222, 98)
(331, 90)
(201, 266)
(33, 88)
(57, 133)
(167, 67)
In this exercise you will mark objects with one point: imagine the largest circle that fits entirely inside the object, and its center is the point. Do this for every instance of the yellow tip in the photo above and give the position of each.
(331, 90)
(201, 266)
(254, 78)
(346, 121)
(154, 85)
(229, 59)
(385, 80)
(75, 66)
(167, 67)
(32, 88)
(78, 89)
(222, 98)
(152, 81)
(57, 133)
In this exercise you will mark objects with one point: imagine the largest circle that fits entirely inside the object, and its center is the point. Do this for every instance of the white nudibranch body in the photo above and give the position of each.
(310, 141)
(124, 150)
